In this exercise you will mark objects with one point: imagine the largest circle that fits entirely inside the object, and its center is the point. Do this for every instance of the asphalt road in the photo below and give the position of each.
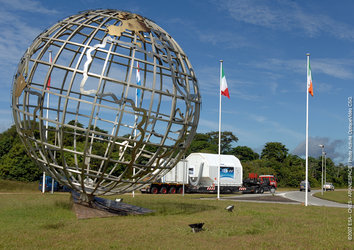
(296, 197)
(311, 200)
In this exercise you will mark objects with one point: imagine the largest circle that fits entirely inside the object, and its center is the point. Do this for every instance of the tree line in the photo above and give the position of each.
(274, 159)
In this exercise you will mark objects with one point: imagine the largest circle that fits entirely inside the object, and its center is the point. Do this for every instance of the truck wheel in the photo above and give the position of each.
(172, 190)
(180, 190)
(154, 190)
(163, 190)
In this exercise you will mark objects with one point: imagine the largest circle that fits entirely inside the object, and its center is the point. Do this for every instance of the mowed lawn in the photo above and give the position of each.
(40, 221)
(337, 196)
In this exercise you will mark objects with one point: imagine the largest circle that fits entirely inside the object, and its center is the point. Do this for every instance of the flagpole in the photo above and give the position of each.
(136, 119)
(50, 60)
(46, 125)
(307, 131)
(219, 148)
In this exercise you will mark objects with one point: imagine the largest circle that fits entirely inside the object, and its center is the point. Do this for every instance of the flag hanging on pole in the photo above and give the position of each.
(309, 79)
(309, 89)
(223, 87)
(138, 80)
(223, 91)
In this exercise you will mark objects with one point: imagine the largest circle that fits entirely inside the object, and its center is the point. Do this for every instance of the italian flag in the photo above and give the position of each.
(309, 79)
(223, 84)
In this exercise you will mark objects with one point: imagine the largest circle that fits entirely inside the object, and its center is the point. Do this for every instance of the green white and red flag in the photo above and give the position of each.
(223, 84)
(309, 79)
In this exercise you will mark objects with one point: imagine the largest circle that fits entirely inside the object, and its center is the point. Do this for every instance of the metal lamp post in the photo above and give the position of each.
(325, 169)
(322, 146)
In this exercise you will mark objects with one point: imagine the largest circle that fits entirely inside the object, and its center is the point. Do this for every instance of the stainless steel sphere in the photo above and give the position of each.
(82, 112)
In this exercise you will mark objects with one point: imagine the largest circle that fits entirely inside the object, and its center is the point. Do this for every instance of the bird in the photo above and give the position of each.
(196, 227)
(230, 208)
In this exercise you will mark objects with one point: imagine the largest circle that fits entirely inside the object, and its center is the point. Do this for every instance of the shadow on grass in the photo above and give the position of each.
(54, 226)
(64, 205)
(172, 208)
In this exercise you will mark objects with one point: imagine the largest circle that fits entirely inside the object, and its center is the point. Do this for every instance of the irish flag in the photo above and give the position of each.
(223, 84)
(309, 79)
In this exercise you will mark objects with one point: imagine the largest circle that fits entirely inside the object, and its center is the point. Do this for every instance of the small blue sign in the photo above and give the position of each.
(226, 172)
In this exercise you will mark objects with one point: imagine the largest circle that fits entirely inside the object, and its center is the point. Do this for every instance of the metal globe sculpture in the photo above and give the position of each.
(105, 101)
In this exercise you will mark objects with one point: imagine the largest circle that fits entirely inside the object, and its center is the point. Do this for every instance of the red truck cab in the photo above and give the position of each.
(272, 180)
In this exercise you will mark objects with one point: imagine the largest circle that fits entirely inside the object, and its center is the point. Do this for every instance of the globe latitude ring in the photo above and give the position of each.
(105, 101)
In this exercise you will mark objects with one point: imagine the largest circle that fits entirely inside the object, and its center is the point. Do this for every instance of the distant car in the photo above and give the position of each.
(328, 186)
(303, 186)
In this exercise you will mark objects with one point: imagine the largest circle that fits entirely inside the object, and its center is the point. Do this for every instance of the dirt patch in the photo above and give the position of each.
(270, 198)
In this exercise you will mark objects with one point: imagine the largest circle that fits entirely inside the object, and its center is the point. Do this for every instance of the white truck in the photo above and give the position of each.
(198, 173)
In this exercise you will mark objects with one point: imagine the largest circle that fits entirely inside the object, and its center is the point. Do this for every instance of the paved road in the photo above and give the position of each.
(300, 197)
(297, 196)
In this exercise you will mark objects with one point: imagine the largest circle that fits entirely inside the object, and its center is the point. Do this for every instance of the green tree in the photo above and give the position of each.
(274, 150)
(7, 140)
(244, 153)
(209, 142)
(227, 138)
(17, 165)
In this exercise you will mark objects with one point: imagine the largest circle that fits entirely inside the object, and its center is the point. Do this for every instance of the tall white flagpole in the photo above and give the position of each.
(136, 119)
(307, 130)
(46, 126)
(50, 60)
(219, 149)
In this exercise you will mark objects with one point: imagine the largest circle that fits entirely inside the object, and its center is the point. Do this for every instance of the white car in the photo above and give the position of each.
(328, 186)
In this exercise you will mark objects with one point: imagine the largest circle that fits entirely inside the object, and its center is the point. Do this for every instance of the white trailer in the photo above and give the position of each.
(203, 172)
(199, 173)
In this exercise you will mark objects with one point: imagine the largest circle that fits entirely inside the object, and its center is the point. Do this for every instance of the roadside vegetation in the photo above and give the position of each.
(337, 196)
(18, 186)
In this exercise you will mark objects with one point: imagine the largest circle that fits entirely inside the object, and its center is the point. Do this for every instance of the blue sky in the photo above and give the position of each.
(263, 45)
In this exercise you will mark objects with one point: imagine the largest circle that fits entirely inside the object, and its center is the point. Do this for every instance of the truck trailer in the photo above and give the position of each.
(198, 173)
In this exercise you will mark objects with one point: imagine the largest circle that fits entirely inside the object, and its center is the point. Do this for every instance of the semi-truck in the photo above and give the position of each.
(255, 184)
(198, 173)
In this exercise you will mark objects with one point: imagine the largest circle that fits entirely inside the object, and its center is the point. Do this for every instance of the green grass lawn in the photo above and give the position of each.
(35, 221)
(337, 196)
(18, 186)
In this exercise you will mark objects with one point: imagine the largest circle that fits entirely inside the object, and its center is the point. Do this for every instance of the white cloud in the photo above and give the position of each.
(208, 78)
(227, 40)
(338, 68)
(272, 125)
(28, 6)
(211, 36)
(257, 12)
(286, 16)
(257, 118)
(16, 33)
